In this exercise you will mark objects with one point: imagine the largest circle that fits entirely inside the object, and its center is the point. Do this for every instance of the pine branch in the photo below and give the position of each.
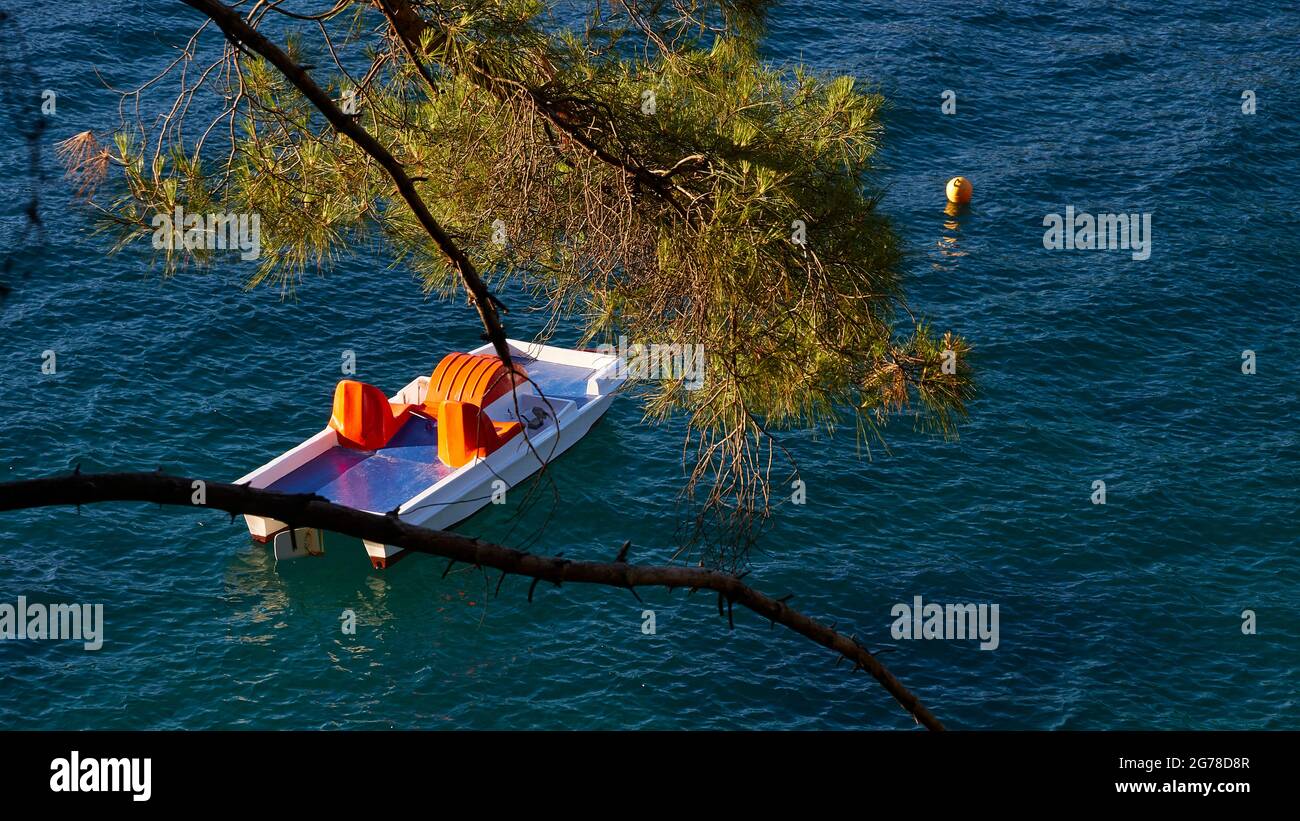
(243, 36)
(409, 28)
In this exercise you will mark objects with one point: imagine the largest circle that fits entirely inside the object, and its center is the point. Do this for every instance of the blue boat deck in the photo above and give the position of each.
(378, 480)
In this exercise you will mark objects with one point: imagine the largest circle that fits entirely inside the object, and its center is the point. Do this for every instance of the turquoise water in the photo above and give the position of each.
(1093, 366)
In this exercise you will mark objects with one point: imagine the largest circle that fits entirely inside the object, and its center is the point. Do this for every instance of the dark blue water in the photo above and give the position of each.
(1093, 366)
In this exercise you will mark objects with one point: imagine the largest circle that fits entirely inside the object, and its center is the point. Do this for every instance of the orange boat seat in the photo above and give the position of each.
(479, 379)
(466, 432)
(363, 418)
(460, 388)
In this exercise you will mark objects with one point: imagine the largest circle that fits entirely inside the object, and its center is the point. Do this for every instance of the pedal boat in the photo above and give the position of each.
(445, 445)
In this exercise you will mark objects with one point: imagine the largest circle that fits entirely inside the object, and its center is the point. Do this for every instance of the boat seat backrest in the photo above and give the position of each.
(479, 379)
(466, 432)
(363, 417)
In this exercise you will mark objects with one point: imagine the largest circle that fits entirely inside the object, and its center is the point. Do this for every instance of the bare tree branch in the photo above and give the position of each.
(309, 510)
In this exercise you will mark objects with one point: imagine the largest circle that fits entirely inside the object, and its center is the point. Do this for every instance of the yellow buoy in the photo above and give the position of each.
(959, 190)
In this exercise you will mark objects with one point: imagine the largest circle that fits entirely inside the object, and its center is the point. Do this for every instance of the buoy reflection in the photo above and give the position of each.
(948, 241)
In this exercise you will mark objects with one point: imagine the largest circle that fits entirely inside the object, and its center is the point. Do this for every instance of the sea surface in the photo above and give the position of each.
(1092, 366)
